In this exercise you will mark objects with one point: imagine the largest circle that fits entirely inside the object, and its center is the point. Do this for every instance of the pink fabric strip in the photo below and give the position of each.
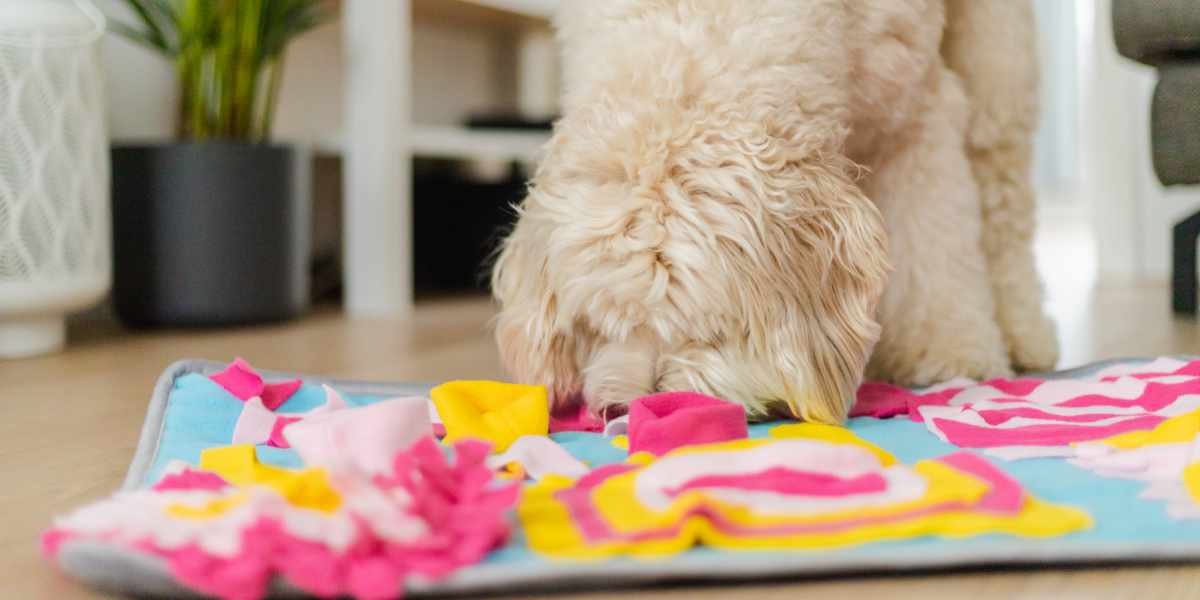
(662, 422)
(1014, 387)
(1004, 496)
(883, 400)
(53, 540)
(735, 529)
(239, 379)
(579, 420)
(789, 481)
(277, 440)
(998, 417)
(464, 511)
(1157, 396)
(362, 439)
(254, 424)
(259, 425)
(578, 500)
(190, 479)
(1192, 368)
(966, 435)
(275, 394)
(880, 400)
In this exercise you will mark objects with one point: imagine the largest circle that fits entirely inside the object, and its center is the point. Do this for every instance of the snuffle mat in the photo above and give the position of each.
(249, 484)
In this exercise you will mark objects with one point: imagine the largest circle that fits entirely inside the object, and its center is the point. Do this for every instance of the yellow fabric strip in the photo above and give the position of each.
(492, 411)
(1191, 479)
(552, 532)
(1172, 431)
(832, 434)
(308, 488)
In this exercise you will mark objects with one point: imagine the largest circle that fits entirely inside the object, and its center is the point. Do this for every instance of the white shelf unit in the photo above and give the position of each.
(380, 140)
(443, 141)
(542, 9)
(434, 141)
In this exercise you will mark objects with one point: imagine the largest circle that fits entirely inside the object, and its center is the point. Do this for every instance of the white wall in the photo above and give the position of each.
(457, 70)
(310, 106)
(142, 99)
(1057, 142)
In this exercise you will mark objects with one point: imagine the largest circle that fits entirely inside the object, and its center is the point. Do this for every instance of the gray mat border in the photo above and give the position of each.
(113, 568)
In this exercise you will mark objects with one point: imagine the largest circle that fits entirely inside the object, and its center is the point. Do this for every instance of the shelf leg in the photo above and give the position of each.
(377, 183)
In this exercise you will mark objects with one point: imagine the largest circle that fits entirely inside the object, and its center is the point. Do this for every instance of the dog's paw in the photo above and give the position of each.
(942, 356)
(1033, 344)
(937, 369)
(607, 402)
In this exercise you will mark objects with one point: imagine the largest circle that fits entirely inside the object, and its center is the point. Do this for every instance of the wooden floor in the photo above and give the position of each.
(69, 422)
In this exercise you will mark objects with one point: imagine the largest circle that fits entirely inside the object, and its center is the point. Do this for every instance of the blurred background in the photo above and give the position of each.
(316, 186)
(480, 96)
(411, 126)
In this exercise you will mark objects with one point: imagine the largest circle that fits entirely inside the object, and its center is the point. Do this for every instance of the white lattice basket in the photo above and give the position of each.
(55, 247)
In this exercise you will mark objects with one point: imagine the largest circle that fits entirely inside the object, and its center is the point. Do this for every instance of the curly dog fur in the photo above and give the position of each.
(765, 199)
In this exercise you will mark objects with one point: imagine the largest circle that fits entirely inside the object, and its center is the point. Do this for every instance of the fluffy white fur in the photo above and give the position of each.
(731, 179)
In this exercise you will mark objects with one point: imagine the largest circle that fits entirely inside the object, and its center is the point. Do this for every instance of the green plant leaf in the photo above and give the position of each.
(159, 19)
(228, 55)
(289, 19)
(139, 36)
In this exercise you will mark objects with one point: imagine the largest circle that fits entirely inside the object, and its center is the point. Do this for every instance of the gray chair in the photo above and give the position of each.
(1165, 34)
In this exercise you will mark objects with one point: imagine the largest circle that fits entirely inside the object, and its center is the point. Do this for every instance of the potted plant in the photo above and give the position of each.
(212, 228)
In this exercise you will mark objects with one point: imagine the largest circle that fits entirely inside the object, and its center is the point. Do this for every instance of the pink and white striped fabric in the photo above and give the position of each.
(259, 424)
(1025, 418)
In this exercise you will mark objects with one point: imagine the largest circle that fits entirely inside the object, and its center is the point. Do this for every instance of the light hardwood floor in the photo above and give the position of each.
(69, 422)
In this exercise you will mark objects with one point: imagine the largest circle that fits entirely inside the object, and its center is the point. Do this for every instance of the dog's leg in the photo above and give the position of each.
(800, 334)
(618, 372)
(724, 372)
(534, 346)
(990, 44)
(937, 312)
(764, 385)
(703, 197)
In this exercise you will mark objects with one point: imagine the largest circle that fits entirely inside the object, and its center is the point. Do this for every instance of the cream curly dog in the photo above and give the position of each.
(765, 200)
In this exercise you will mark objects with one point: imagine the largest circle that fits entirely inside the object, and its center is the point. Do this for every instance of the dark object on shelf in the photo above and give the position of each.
(509, 121)
(1183, 264)
(458, 224)
(327, 224)
(212, 233)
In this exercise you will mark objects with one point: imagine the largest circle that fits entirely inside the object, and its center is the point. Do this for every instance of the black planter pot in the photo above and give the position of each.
(213, 233)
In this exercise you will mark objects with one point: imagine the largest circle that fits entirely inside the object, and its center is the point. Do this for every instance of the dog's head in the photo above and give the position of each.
(804, 252)
(755, 275)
